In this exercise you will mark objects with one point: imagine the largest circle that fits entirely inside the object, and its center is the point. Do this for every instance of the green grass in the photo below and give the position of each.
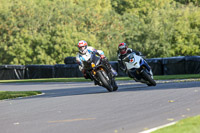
(181, 76)
(188, 125)
(81, 79)
(15, 94)
(167, 77)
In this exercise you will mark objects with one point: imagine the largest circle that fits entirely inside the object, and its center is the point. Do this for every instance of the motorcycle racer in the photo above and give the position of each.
(85, 53)
(123, 51)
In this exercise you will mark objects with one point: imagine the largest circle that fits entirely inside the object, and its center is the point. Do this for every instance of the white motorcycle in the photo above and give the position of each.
(138, 69)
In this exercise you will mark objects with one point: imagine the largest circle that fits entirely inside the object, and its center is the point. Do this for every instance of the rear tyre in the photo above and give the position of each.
(105, 80)
(148, 78)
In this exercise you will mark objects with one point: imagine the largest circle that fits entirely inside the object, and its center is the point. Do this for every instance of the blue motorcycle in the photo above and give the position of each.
(138, 69)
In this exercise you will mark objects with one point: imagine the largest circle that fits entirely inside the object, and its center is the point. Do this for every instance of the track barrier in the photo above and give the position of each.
(160, 66)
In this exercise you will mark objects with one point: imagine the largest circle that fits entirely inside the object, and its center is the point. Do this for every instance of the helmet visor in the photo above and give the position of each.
(122, 51)
(82, 49)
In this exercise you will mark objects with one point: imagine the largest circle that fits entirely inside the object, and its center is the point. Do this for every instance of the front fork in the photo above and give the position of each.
(94, 72)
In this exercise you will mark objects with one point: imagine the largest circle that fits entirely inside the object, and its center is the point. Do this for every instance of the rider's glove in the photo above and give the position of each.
(102, 56)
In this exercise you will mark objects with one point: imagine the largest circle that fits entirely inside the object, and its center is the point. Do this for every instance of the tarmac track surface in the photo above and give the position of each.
(81, 107)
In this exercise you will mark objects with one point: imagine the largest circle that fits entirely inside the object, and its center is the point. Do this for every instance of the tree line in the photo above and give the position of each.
(45, 32)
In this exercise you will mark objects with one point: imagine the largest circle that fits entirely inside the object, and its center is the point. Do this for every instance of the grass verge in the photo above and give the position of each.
(81, 79)
(15, 94)
(181, 76)
(188, 125)
(167, 77)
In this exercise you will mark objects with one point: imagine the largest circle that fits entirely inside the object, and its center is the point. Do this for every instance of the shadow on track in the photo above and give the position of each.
(94, 90)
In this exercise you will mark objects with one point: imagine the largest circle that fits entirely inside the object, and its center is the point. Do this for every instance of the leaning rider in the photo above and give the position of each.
(85, 53)
(122, 52)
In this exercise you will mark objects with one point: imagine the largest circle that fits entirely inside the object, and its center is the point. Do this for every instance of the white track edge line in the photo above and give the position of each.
(156, 128)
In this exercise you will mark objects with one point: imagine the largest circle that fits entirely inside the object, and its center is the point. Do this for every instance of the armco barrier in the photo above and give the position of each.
(68, 70)
(192, 64)
(156, 65)
(12, 72)
(174, 65)
(160, 66)
(39, 71)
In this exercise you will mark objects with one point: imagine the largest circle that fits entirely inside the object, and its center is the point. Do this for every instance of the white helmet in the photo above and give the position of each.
(82, 46)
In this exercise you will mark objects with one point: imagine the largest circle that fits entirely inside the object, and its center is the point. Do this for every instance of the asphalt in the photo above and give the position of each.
(81, 107)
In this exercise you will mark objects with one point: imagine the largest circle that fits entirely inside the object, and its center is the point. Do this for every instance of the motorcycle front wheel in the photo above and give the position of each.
(148, 78)
(103, 77)
(114, 85)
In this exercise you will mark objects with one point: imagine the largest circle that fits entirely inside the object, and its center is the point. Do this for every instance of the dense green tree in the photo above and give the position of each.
(162, 28)
(195, 2)
(45, 32)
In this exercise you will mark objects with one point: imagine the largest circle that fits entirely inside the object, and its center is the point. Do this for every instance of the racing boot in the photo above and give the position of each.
(107, 64)
(114, 73)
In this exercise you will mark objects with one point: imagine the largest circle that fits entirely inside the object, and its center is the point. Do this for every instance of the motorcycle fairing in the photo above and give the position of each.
(134, 61)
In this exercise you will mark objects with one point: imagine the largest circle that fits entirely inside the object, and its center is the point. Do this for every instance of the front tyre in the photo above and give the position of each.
(103, 77)
(149, 79)
(114, 84)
